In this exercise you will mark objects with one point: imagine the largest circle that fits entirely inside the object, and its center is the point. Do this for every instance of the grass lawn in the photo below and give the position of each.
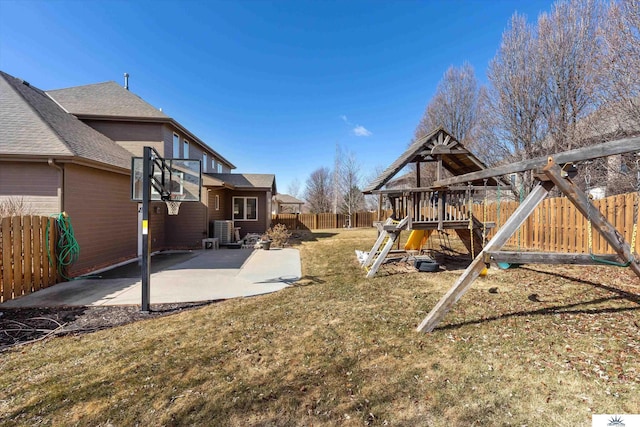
(537, 346)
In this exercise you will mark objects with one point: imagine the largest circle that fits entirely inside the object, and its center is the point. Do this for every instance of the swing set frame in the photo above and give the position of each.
(549, 173)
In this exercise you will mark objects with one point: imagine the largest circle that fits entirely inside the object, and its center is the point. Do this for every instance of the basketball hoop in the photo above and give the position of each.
(173, 206)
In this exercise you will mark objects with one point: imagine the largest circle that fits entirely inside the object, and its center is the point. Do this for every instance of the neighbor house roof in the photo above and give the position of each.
(33, 125)
(246, 180)
(455, 158)
(288, 200)
(110, 101)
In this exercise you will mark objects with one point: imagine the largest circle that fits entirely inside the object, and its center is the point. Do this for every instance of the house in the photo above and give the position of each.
(243, 198)
(55, 163)
(79, 141)
(284, 203)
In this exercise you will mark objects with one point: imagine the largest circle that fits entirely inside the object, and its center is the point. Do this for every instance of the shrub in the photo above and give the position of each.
(278, 234)
(14, 206)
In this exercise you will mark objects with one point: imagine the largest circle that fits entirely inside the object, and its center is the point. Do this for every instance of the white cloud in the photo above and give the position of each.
(361, 131)
(344, 119)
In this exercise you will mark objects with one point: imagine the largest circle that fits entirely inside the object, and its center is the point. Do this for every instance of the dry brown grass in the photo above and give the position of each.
(550, 347)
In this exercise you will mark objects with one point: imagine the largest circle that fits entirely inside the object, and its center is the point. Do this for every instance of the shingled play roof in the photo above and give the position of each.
(455, 158)
(34, 125)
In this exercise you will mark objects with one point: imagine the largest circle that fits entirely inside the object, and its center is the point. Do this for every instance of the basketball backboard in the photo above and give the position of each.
(182, 179)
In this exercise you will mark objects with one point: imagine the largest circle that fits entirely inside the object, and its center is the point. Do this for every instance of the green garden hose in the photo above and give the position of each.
(67, 247)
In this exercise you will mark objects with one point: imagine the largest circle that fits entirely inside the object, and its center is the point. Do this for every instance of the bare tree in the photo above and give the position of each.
(567, 55)
(351, 197)
(371, 201)
(318, 192)
(621, 65)
(454, 105)
(516, 91)
(293, 189)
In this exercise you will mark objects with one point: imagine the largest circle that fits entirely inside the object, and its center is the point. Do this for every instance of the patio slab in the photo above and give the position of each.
(205, 276)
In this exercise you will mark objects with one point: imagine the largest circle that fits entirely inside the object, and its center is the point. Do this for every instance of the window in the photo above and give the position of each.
(245, 208)
(204, 163)
(185, 149)
(176, 146)
(219, 168)
(216, 202)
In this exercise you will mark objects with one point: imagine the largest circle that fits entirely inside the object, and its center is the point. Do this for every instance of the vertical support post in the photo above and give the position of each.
(147, 171)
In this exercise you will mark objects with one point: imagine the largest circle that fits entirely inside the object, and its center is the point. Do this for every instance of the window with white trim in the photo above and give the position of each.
(216, 202)
(205, 165)
(176, 146)
(185, 150)
(245, 208)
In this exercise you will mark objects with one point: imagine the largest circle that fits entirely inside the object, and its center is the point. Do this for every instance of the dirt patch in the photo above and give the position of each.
(24, 325)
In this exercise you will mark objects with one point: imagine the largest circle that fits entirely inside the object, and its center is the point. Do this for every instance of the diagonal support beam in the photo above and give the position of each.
(598, 221)
(472, 272)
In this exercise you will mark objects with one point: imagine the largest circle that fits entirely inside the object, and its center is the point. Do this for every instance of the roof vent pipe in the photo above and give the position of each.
(126, 81)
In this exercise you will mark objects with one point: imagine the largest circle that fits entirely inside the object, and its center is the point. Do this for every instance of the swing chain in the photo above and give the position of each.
(470, 213)
(484, 214)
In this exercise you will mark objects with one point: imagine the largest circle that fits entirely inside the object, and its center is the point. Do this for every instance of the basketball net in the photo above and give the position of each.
(173, 206)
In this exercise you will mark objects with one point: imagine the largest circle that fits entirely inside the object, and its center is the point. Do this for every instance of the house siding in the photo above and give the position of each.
(35, 184)
(103, 216)
(187, 229)
(220, 214)
(259, 226)
(133, 136)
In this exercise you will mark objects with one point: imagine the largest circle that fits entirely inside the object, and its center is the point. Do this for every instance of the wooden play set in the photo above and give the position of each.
(446, 203)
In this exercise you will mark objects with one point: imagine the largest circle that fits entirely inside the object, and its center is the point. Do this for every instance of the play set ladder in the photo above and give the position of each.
(386, 239)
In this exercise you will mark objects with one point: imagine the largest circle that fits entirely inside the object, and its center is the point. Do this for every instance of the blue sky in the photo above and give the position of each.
(271, 85)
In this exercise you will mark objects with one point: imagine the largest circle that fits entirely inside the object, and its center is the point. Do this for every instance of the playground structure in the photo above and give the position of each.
(552, 172)
(424, 209)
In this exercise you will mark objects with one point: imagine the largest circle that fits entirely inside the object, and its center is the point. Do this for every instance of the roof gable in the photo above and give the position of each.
(115, 101)
(33, 124)
(288, 199)
(437, 144)
(246, 180)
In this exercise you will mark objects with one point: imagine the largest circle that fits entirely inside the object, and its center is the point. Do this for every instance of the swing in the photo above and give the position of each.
(634, 230)
(503, 265)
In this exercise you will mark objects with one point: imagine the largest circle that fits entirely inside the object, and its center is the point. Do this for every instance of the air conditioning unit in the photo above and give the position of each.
(223, 230)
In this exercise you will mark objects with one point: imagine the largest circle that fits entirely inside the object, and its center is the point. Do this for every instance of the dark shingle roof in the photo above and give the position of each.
(110, 101)
(33, 124)
(247, 180)
(287, 199)
(115, 101)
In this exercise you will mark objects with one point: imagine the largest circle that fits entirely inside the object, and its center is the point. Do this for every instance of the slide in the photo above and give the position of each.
(417, 240)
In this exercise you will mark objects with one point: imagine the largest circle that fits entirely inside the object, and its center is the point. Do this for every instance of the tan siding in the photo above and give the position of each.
(188, 228)
(132, 136)
(35, 183)
(104, 218)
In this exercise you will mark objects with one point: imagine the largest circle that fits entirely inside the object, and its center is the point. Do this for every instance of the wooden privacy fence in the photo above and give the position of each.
(557, 226)
(24, 262)
(324, 221)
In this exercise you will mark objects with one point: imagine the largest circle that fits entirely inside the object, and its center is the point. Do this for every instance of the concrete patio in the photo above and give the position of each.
(202, 275)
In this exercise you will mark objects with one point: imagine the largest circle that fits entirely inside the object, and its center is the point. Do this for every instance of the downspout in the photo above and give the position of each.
(53, 164)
